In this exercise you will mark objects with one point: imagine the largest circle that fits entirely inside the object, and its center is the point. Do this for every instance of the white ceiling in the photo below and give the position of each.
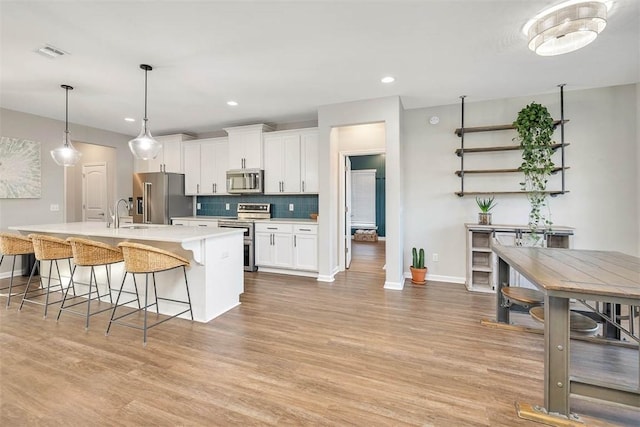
(281, 60)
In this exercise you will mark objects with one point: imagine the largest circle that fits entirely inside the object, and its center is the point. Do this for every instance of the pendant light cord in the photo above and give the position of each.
(145, 95)
(66, 109)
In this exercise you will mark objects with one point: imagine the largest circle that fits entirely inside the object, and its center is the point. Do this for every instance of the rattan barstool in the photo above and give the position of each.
(14, 245)
(47, 248)
(89, 253)
(144, 259)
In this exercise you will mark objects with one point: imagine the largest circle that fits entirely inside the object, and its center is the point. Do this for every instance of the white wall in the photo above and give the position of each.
(49, 132)
(602, 203)
(362, 137)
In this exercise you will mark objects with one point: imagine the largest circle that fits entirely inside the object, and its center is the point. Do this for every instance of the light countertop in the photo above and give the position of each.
(155, 232)
(215, 218)
(202, 218)
(289, 220)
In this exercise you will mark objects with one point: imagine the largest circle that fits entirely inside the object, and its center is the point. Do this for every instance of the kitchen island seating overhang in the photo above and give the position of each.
(216, 275)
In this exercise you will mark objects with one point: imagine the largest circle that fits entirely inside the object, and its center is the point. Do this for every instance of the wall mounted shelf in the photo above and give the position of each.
(468, 171)
(462, 151)
(496, 127)
(481, 193)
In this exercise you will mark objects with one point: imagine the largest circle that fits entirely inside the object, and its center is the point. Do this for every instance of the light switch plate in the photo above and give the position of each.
(291, 207)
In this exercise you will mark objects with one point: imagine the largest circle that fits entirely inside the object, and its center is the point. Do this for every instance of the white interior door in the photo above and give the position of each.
(347, 212)
(94, 192)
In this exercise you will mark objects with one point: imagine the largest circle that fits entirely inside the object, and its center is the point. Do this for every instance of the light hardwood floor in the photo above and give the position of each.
(296, 352)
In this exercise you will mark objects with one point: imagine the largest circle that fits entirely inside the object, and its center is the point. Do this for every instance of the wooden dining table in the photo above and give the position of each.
(562, 275)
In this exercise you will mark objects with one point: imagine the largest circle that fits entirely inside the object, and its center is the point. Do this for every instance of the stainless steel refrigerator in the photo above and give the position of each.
(159, 196)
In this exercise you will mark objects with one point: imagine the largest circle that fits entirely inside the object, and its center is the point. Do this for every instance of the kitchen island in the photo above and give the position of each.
(216, 277)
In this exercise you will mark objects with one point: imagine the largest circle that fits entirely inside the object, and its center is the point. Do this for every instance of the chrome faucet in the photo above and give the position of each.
(116, 216)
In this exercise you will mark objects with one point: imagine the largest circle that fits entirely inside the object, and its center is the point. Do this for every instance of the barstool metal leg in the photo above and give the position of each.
(135, 285)
(155, 292)
(109, 283)
(186, 283)
(66, 293)
(146, 300)
(113, 313)
(26, 289)
(13, 267)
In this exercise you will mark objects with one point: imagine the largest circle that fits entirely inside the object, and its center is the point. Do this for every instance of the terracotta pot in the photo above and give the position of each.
(484, 218)
(417, 275)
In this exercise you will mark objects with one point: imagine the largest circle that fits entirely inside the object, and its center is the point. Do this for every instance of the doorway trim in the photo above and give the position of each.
(342, 234)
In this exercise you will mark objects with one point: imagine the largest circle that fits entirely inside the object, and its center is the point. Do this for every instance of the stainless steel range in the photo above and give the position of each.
(247, 214)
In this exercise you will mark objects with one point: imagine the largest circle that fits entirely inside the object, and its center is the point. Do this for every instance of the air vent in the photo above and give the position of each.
(51, 51)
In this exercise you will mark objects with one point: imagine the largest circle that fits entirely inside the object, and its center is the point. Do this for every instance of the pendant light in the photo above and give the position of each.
(66, 155)
(144, 146)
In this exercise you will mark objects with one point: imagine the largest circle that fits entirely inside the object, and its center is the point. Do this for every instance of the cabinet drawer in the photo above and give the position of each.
(205, 223)
(262, 227)
(305, 229)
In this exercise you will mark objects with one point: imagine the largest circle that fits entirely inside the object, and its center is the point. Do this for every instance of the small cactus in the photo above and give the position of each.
(418, 258)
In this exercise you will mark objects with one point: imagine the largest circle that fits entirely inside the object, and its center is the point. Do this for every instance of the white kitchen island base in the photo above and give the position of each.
(216, 255)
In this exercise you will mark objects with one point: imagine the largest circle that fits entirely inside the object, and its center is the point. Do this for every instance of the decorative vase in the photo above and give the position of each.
(484, 218)
(417, 275)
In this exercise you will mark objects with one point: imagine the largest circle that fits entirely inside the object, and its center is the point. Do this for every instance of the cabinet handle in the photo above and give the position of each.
(213, 188)
(295, 240)
(272, 228)
(305, 229)
(198, 188)
(303, 186)
(271, 239)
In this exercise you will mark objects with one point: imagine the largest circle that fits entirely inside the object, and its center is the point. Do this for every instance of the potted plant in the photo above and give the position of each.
(485, 205)
(418, 270)
(535, 130)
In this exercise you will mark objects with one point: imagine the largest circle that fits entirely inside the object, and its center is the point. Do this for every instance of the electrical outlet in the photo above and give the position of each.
(290, 207)
(435, 258)
(199, 205)
(226, 206)
(54, 208)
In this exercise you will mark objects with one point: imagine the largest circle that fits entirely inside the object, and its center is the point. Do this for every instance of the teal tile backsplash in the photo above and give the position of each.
(303, 205)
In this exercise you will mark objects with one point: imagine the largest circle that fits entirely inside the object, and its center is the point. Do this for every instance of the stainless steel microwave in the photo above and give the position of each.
(245, 181)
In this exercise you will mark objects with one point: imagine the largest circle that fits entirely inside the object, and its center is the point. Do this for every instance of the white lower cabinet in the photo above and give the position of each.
(287, 246)
(305, 247)
(274, 245)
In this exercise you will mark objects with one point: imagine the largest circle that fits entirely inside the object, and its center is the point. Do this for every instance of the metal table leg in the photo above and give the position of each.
(556, 352)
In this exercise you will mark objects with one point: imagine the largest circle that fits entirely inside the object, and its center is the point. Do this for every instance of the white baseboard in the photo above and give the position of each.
(289, 272)
(438, 278)
(395, 286)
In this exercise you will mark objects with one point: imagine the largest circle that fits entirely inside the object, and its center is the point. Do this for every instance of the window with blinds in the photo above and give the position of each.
(363, 198)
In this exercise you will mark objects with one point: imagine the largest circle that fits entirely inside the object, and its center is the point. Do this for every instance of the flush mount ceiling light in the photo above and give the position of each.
(66, 155)
(387, 79)
(129, 119)
(232, 103)
(566, 27)
(144, 146)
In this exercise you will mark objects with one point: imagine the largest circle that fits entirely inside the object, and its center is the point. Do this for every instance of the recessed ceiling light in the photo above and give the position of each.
(129, 119)
(388, 79)
(232, 103)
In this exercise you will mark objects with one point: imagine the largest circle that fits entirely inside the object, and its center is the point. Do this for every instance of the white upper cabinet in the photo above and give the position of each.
(291, 161)
(205, 166)
(282, 163)
(245, 146)
(309, 161)
(170, 157)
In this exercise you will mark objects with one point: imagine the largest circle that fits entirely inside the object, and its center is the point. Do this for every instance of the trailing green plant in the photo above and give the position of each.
(485, 205)
(535, 131)
(418, 258)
